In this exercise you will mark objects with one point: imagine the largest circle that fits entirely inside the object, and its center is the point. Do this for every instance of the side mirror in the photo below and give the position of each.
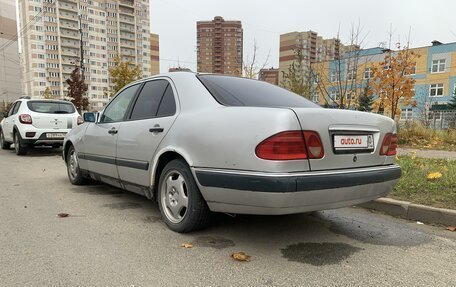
(90, 117)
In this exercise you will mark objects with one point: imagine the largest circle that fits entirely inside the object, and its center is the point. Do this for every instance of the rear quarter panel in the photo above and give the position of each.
(226, 137)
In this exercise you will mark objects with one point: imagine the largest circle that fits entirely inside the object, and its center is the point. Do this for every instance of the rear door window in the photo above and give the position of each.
(10, 112)
(236, 91)
(148, 100)
(16, 108)
(168, 104)
(48, 107)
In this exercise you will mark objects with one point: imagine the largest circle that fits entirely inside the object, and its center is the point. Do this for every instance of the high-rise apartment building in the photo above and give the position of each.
(219, 46)
(154, 54)
(10, 80)
(51, 42)
(314, 49)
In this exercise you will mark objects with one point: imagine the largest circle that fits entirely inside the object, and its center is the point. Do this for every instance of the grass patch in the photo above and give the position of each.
(414, 185)
(416, 136)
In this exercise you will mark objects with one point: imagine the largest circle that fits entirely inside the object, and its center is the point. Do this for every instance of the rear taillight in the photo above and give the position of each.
(291, 145)
(80, 120)
(314, 144)
(25, 119)
(389, 145)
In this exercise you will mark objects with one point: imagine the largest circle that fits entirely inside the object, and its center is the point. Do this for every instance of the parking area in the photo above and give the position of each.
(115, 238)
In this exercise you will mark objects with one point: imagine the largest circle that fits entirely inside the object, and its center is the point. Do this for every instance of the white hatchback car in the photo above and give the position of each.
(37, 122)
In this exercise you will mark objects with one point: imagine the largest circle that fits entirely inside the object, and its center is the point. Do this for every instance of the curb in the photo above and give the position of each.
(411, 211)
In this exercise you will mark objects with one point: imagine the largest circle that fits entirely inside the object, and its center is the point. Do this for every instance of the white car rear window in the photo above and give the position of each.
(49, 107)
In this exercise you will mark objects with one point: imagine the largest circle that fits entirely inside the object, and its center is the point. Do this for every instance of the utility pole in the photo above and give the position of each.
(81, 65)
(81, 43)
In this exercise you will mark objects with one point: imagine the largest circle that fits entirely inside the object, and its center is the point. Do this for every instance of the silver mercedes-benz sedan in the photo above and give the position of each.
(202, 142)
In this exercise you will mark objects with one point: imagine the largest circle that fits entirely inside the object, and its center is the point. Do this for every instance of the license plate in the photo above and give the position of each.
(55, 135)
(353, 142)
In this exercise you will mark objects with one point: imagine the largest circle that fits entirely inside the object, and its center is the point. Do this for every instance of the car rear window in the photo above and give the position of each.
(236, 91)
(48, 107)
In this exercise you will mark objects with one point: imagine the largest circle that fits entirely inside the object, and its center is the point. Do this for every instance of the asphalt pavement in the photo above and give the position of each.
(115, 238)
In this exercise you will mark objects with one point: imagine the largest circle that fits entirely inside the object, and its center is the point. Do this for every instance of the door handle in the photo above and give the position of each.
(112, 131)
(156, 130)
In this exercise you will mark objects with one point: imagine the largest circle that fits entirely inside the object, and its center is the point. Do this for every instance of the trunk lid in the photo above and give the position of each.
(350, 139)
(54, 121)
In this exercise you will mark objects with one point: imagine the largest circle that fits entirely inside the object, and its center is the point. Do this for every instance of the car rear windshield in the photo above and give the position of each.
(48, 107)
(236, 91)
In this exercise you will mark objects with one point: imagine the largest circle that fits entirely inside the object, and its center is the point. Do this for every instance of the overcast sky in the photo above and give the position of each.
(175, 22)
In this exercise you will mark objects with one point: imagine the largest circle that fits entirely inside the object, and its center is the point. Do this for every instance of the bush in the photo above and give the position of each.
(413, 134)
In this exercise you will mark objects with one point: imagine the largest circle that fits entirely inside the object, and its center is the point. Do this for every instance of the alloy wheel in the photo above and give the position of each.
(73, 164)
(16, 143)
(174, 196)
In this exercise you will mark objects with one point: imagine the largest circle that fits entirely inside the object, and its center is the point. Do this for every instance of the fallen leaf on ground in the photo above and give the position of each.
(451, 228)
(63, 215)
(240, 256)
(434, 175)
(187, 245)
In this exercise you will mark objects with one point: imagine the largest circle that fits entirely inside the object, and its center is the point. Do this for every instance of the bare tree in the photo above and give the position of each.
(250, 66)
(344, 74)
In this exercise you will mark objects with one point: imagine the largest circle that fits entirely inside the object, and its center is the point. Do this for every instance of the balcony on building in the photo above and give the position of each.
(70, 51)
(69, 43)
(127, 35)
(68, 33)
(67, 5)
(127, 27)
(69, 15)
(126, 10)
(127, 3)
(127, 19)
(72, 25)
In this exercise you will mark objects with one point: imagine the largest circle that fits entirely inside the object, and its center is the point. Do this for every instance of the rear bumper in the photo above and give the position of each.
(266, 193)
(40, 136)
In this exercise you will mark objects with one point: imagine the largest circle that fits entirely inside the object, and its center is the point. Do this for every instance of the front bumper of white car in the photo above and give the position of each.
(286, 193)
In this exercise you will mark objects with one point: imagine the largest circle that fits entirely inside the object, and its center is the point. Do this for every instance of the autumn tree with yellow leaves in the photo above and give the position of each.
(122, 74)
(392, 81)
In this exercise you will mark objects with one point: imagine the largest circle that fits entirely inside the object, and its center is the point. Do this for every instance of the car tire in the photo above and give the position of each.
(19, 147)
(74, 172)
(3, 143)
(181, 204)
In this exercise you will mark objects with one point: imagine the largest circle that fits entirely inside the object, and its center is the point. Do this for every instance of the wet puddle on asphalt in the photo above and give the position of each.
(319, 254)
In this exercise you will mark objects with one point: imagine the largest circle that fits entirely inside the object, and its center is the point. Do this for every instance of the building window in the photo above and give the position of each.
(351, 75)
(436, 90)
(438, 66)
(333, 77)
(367, 74)
(407, 114)
(334, 94)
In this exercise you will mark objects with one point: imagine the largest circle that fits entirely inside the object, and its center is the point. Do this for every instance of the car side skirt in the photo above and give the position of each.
(129, 186)
(143, 165)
